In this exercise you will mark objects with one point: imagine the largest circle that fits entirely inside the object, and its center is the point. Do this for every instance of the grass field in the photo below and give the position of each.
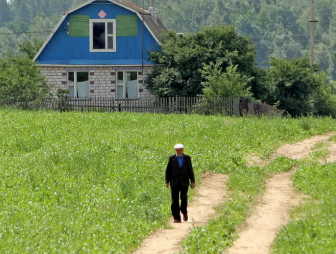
(313, 231)
(94, 183)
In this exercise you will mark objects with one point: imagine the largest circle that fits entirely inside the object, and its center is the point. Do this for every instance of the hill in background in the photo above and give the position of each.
(279, 28)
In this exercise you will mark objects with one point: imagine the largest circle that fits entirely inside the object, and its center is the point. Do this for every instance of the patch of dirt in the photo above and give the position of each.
(303, 148)
(272, 212)
(210, 193)
(254, 160)
(294, 151)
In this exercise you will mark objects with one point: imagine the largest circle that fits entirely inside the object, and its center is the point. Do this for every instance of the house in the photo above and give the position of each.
(99, 49)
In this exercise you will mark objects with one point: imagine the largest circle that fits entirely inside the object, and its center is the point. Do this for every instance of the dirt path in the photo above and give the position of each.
(260, 229)
(303, 148)
(209, 194)
(294, 151)
(269, 215)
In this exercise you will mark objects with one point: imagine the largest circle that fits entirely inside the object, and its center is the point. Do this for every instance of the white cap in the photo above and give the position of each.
(178, 146)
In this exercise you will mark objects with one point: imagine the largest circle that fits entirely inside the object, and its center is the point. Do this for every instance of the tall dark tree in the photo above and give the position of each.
(5, 13)
(184, 57)
(295, 85)
(22, 11)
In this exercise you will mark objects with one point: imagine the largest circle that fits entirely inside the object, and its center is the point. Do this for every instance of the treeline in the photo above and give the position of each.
(23, 20)
(218, 62)
(279, 28)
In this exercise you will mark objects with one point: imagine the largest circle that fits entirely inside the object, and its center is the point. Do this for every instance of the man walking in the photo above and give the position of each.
(178, 174)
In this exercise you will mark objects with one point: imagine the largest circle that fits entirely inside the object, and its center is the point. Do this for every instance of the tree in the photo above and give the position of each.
(325, 98)
(182, 59)
(294, 85)
(30, 48)
(228, 84)
(20, 78)
(5, 13)
(22, 11)
(9, 42)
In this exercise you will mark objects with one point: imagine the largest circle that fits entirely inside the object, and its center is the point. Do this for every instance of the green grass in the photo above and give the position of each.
(94, 183)
(245, 183)
(314, 229)
(333, 138)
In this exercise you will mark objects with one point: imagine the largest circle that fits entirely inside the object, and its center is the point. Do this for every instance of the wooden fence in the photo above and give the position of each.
(251, 108)
(165, 105)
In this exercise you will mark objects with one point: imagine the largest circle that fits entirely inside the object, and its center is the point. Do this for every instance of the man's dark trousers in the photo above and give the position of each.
(177, 193)
(179, 179)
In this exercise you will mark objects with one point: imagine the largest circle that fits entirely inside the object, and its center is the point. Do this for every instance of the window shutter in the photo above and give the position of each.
(127, 25)
(79, 26)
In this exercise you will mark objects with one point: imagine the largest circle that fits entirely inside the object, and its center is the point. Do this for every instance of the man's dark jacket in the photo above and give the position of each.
(176, 175)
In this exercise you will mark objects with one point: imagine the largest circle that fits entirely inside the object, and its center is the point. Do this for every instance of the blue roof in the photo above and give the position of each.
(63, 49)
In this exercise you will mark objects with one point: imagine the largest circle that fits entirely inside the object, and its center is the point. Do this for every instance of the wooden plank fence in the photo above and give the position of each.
(165, 105)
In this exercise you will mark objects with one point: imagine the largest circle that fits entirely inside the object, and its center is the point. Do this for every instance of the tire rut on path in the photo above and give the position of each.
(210, 193)
(303, 148)
(268, 216)
(294, 151)
(272, 212)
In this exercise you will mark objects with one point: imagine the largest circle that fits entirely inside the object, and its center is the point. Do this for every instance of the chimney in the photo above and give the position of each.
(153, 10)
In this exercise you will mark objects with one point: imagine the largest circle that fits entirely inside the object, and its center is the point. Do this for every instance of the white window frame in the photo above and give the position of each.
(113, 21)
(124, 84)
(75, 83)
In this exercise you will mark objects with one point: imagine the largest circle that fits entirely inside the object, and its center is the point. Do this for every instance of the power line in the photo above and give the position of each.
(41, 32)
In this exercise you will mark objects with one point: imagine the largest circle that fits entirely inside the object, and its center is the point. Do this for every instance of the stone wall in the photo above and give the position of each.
(102, 79)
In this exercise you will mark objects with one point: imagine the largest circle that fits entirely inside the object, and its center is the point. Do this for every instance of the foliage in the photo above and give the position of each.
(229, 84)
(30, 48)
(294, 84)
(76, 182)
(183, 58)
(9, 43)
(5, 14)
(325, 99)
(62, 93)
(26, 11)
(20, 79)
(278, 28)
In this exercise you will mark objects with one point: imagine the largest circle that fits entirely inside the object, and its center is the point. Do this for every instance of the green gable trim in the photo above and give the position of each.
(79, 25)
(127, 25)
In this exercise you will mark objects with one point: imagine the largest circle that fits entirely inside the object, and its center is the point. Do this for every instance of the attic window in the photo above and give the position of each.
(102, 35)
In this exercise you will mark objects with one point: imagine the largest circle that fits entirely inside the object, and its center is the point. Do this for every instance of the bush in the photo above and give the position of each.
(20, 79)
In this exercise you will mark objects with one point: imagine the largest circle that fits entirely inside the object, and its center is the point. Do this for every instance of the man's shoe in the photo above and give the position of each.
(177, 221)
(185, 217)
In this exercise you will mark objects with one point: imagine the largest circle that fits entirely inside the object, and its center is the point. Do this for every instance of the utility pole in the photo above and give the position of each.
(312, 42)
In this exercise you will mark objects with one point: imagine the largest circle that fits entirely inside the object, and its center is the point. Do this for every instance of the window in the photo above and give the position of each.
(127, 85)
(79, 84)
(102, 35)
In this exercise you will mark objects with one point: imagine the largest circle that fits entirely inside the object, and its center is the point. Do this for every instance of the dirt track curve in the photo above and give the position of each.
(260, 229)
(272, 212)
